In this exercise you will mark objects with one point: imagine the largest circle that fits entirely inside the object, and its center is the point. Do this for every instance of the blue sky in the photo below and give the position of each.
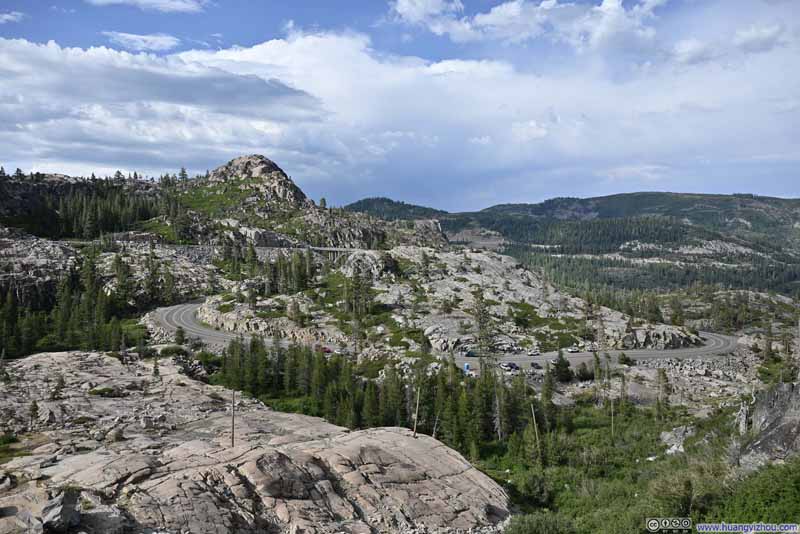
(458, 104)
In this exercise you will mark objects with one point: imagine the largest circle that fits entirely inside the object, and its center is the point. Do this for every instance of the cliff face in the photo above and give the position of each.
(118, 450)
(31, 266)
(773, 420)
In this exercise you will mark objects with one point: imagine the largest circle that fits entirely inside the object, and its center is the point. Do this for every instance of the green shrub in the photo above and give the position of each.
(541, 523)
(172, 351)
(106, 392)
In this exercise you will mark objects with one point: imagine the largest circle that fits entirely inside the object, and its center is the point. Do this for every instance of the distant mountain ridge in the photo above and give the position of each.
(738, 240)
(748, 216)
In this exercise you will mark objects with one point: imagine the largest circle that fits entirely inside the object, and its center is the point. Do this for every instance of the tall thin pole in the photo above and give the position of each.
(536, 433)
(612, 419)
(233, 417)
(416, 413)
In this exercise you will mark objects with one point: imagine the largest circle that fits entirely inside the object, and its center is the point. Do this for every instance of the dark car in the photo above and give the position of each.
(471, 354)
(535, 365)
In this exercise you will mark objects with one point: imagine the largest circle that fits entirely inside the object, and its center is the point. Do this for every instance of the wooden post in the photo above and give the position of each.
(233, 417)
(416, 412)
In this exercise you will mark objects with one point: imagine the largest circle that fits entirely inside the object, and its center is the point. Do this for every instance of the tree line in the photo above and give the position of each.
(83, 314)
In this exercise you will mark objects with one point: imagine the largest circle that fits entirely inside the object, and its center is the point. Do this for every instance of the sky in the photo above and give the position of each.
(455, 104)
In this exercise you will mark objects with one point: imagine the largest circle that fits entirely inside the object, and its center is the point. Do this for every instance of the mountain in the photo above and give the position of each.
(388, 209)
(249, 199)
(744, 241)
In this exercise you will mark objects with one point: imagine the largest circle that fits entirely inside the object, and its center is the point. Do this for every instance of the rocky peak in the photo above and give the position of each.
(263, 175)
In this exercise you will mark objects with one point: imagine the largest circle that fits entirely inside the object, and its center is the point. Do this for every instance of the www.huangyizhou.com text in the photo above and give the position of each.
(747, 528)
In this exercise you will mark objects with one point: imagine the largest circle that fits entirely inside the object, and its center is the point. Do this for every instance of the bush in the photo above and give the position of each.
(8, 439)
(172, 351)
(540, 523)
(584, 373)
(106, 392)
(624, 359)
(533, 488)
(210, 361)
(770, 495)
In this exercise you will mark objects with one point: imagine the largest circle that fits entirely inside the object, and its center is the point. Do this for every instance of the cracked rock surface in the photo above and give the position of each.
(154, 455)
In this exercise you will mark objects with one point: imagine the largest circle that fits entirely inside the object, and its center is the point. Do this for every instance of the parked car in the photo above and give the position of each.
(573, 349)
(471, 354)
(535, 365)
(534, 352)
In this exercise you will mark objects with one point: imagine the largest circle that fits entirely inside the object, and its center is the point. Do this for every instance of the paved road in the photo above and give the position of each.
(715, 345)
(185, 315)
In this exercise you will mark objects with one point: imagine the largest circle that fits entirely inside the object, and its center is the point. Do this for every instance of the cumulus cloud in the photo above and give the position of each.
(347, 120)
(11, 16)
(156, 42)
(166, 6)
(582, 25)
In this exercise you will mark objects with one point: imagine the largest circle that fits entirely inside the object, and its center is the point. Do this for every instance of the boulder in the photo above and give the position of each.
(59, 514)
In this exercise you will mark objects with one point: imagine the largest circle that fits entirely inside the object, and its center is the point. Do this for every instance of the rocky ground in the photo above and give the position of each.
(115, 449)
(432, 292)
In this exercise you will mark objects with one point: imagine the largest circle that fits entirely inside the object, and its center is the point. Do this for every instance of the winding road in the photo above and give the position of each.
(185, 316)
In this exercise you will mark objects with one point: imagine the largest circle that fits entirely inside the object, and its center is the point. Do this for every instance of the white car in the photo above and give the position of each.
(573, 350)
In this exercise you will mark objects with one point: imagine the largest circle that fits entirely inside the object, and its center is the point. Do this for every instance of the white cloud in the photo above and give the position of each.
(157, 42)
(11, 16)
(527, 131)
(483, 140)
(756, 39)
(166, 6)
(421, 11)
(582, 25)
(348, 120)
(694, 51)
(641, 173)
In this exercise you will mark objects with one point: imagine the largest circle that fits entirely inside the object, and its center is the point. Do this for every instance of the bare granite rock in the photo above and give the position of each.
(774, 421)
(178, 472)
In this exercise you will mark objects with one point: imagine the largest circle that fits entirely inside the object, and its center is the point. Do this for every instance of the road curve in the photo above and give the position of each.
(185, 316)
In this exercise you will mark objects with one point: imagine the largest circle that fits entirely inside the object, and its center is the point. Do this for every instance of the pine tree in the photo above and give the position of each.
(180, 336)
(33, 412)
(546, 398)
(55, 394)
(170, 292)
(369, 415)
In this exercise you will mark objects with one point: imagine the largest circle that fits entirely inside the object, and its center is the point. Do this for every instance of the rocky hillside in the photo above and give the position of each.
(33, 266)
(252, 197)
(113, 449)
(422, 296)
(745, 241)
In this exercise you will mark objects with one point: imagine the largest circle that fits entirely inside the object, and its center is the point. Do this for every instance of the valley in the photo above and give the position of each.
(220, 353)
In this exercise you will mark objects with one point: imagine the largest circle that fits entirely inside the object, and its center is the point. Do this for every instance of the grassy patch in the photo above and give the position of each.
(9, 448)
(225, 308)
(159, 228)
